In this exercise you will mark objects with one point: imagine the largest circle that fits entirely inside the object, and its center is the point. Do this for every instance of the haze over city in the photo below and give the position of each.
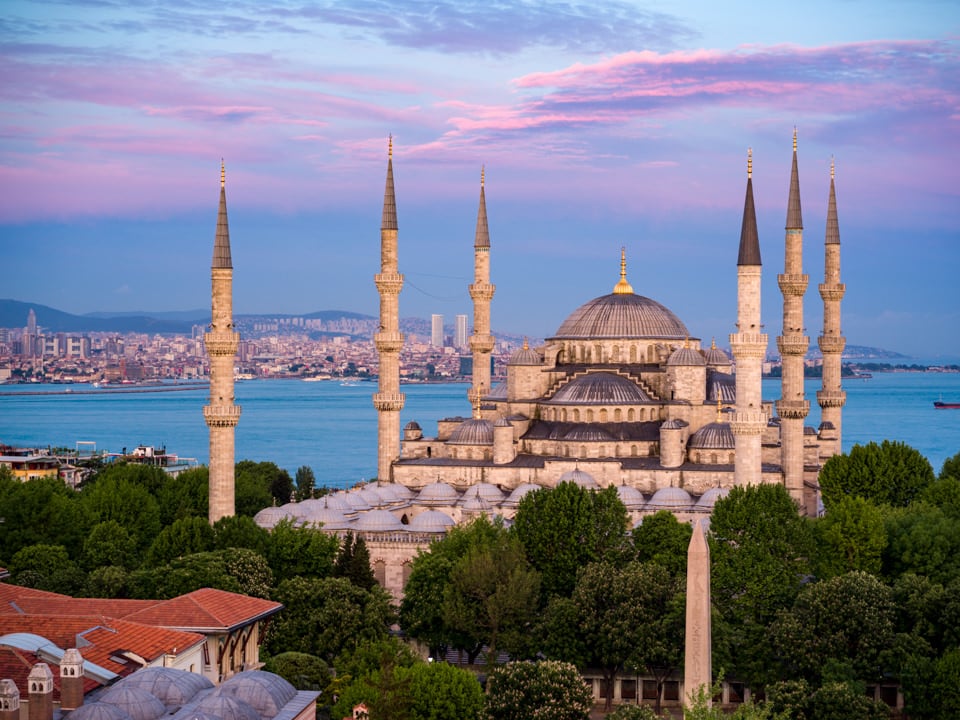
(600, 125)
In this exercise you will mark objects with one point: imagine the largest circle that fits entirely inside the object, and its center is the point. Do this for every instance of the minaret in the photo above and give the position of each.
(793, 344)
(388, 400)
(481, 292)
(749, 347)
(832, 397)
(221, 342)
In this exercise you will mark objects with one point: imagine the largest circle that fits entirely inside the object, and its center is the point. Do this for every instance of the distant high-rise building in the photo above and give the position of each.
(436, 330)
(29, 343)
(460, 333)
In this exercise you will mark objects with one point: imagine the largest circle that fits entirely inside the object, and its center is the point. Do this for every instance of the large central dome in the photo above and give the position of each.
(622, 315)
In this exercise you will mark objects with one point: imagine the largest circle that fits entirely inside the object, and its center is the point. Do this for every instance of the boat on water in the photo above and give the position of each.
(941, 405)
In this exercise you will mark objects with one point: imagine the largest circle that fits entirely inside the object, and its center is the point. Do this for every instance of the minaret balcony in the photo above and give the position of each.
(482, 291)
(793, 284)
(390, 341)
(221, 415)
(387, 402)
(831, 398)
(832, 291)
(481, 343)
(748, 345)
(219, 344)
(793, 344)
(793, 409)
(749, 422)
(831, 344)
(389, 283)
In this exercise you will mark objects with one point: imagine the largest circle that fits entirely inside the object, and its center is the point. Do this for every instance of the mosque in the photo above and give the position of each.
(621, 395)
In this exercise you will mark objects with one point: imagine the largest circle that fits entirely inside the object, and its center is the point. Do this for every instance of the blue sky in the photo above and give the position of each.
(600, 124)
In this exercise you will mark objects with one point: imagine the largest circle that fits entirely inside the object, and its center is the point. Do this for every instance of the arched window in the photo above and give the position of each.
(380, 572)
(617, 415)
(633, 354)
(630, 415)
(589, 415)
(603, 415)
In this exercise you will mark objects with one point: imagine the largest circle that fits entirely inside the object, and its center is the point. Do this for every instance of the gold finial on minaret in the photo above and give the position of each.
(831, 168)
(749, 163)
(719, 404)
(223, 173)
(483, 171)
(390, 147)
(794, 138)
(623, 287)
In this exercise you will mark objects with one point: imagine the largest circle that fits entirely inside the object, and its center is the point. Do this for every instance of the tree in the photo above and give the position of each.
(108, 543)
(46, 567)
(109, 581)
(567, 527)
(40, 512)
(760, 549)
(852, 536)
(186, 495)
(492, 597)
(122, 496)
(891, 473)
(440, 691)
(186, 536)
(353, 562)
(944, 493)
(295, 551)
(951, 468)
(546, 690)
(923, 540)
(846, 620)
(240, 531)
(259, 485)
(324, 617)
(663, 539)
(305, 482)
(235, 570)
(302, 670)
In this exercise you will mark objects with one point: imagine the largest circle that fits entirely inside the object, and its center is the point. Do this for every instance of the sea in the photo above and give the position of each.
(331, 426)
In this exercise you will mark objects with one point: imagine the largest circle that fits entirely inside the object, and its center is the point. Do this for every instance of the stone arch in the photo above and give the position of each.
(617, 415)
(603, 415)
(630, 415)
(380, 571)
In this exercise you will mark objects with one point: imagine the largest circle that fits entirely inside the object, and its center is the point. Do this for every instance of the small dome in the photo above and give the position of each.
(579, 477)
(525, 356)
(673, 425)
(706, 501)
(499, 392)
(99, 711)
(502, 422)
(826, 425)
(475, 504)
(394, 492)
(377, 521)
(438, 493)
(136, 702)
(475, 431)
(327, 518)
(170, 686)
(412, 425)
(600, 388)
(632, 498)
(715, 356)
(519, 492)
(431, 521)
(225, 707)
(670, 498)
(371, 495)
(625, 315)
(334, 501)
(587, 433)
(809, 430)
(685, 357)
(714, 436)
(270, 516)
(487, 491)
(357, 501)
(265, 692)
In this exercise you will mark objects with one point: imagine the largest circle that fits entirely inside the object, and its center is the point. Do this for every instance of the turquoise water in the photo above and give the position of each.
(333, 428)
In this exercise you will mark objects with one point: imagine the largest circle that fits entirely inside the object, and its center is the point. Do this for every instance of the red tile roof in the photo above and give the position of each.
(207, 610)
(17, 664)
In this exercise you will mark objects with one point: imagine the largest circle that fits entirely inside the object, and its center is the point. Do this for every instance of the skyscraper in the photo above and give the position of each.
(460, 333)
(436, 330)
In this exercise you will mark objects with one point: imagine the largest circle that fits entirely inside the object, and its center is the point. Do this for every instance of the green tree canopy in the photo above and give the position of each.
(891, 473)
(121, 494)
(185, 536)
(40, 512)
(302, 670)
(46, 567)
(240, 531)
(186, 495)
(305, 482)
(923, 540)
(852, 536)
(353, 562)
(567, 527)
(259, 485)
(546, 690)
(296, 551)
(663, 539)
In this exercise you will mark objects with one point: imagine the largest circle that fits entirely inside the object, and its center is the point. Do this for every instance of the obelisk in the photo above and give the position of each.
(697, 669)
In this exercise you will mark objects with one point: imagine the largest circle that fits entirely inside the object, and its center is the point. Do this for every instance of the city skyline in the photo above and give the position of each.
(116, 119)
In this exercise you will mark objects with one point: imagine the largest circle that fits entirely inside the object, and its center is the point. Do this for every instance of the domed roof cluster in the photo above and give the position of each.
(600, 388)
(155, 692)
(622, 316)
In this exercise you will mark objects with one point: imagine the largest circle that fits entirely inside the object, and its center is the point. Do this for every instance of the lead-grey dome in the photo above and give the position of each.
(600, 388)
(686, 356)
(579, 477)
(438, 493)
(525, 356)
(431, 521)
(226, 707)
(99, 711)
(475, 431)
(670, 498)
(169, 685)
(714, 436)
(632, 498)
(265, 692)
(136, 702)
(377, 521)
(622, 315)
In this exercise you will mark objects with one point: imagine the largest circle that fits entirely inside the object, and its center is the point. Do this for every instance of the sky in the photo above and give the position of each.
(599, 125)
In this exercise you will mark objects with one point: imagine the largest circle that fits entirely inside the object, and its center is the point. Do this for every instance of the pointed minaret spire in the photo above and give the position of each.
(481, 292)
(792, 344)
(749, 346)
(623, 287)
(831, 396)
(222, 414)
(388, 400)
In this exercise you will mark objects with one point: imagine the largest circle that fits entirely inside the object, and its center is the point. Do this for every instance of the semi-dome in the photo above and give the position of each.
(431, 521)
(265, 692)
(687, 357)
(600, 388)
(622, 316)
(475, 431)
(714, 436)
(377, 521)
(582, 432)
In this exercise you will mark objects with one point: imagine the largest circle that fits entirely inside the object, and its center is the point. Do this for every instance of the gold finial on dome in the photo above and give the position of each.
(623, 287)
(223, 173)
(749, 163)
(713, 343)
(526, 345)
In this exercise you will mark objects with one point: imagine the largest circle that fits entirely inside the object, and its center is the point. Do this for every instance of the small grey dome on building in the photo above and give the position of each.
(525, 356)
(270, 516)
(475, 431)
(327, 518)
(225, 707)
(412, 425)
(377, 521)
(438, 493)
(579, 477)
(715, 356)
(809, 430)
(587, 433)
(632, 498)
(501, 422)
(670, 498)
(334, 501)
(394, 492)
(136, 702)
(475, 504)
(487, 491)
(622, 315)
(518, 493)
(706, 501)
(685, 357)
(600, 388)
(431, 521)
(371, 495)
(713, 436)
(265, 692)
(673, 425)
(99, 711)
(357, 501)
(170, 686)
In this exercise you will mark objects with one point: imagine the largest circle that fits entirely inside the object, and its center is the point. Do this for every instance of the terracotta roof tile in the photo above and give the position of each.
(206, 609)
(16, 665)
